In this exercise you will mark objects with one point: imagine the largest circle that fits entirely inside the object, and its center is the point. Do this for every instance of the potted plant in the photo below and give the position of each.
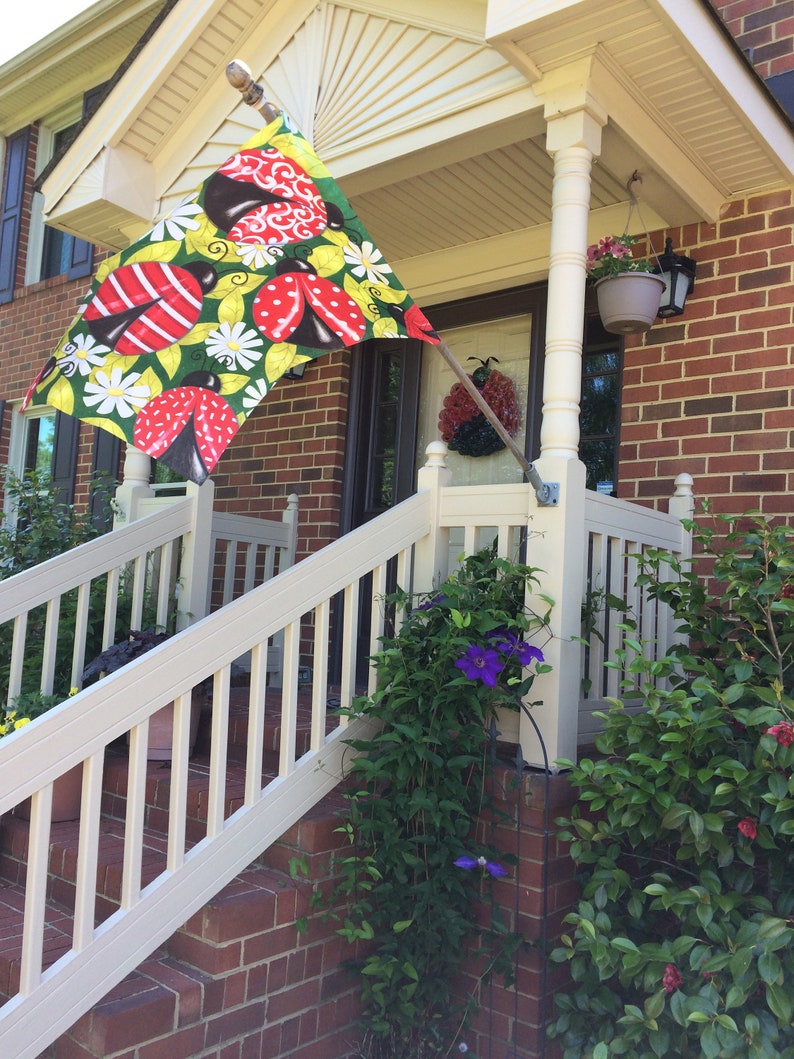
(628, 288)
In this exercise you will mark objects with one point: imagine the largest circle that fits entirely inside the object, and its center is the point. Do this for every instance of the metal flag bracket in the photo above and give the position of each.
(239, 76)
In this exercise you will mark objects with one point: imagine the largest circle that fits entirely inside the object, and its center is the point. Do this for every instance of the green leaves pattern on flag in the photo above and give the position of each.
(184, 332)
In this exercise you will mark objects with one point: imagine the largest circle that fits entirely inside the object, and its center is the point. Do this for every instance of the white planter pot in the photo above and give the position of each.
(628, 303)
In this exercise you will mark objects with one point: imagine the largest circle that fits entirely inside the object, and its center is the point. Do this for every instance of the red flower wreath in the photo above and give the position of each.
(463, 426)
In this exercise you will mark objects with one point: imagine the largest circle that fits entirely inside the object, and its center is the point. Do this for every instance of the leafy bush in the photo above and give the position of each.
(417, 885)
(44, 527)
(682, 944)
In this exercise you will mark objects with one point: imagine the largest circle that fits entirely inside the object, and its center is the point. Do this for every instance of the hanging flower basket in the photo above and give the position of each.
(629, 302)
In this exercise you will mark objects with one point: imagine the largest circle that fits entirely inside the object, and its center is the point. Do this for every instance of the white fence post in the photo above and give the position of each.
(431, 554)
(195, 566)
(290, 518)
(682, 506)
(134, 486)
(556, 547)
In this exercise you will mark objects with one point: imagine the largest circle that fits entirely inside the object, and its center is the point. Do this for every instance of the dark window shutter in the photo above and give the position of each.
(105, 465)
(81, 259)
(11, 211)
(64, 455)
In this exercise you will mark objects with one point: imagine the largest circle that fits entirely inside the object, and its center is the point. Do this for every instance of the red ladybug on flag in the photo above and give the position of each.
(300, 307)
(149, 305)
(187, 427)
(261, 196)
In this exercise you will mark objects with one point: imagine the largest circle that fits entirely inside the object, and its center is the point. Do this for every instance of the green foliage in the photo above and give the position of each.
(683, 942)
(45, 527)
(418, 791)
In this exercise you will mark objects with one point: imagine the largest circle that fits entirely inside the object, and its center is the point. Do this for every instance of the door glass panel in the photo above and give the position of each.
(506, 340)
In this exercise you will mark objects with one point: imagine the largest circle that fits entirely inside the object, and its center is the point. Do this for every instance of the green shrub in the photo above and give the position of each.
(44, 527)
(417, 886)
(683, 942)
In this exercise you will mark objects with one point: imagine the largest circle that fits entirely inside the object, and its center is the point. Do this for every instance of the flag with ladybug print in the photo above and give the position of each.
(185, 332)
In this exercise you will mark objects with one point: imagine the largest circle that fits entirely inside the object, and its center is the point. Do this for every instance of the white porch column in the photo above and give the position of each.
(134, 485)
(574, 138)
(558, 550)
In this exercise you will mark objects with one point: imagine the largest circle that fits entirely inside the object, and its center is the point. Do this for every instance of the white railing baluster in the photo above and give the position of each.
(322, 622)
(111, 607)
(50, 645)
(88, 852)
(289, 700)
(219, 741)
(164, 593)
(17, 656)
(138, 590)
(229, 567)
(136, 810)
(347, 687)
(177, 804)
(377, 623)
(35, 890)
(256, 724)
(80, 633)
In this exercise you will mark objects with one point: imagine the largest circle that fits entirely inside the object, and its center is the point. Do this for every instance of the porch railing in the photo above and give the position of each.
(152, 572)
(162, 887)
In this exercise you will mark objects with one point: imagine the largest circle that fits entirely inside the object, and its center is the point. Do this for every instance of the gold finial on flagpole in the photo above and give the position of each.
(238, 74)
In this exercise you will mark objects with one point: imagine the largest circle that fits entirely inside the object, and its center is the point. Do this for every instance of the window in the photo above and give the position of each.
(600, 408)
(51, 252)
(45, 440)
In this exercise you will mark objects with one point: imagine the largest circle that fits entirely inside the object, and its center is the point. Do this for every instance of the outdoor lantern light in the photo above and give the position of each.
(296, 371)
(678, 273)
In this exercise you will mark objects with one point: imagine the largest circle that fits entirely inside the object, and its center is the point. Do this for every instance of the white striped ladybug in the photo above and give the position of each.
(264, 197)
(149, 305)
(187, 427)
(300, 307)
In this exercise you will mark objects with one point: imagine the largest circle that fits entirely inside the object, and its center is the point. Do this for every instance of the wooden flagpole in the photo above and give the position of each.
(239, 77)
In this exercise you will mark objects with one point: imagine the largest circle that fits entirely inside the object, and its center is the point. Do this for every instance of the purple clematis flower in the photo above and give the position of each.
(523, 652)
(481, 663)
(431, 602)
(497, 871)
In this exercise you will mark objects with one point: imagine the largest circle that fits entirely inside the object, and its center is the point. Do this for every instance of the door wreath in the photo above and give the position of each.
(464, 427)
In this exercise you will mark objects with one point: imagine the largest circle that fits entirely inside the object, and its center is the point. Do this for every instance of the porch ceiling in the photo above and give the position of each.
(432, 118)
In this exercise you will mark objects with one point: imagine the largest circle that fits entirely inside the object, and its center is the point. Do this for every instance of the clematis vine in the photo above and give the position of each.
(494, 869)
(519, 650)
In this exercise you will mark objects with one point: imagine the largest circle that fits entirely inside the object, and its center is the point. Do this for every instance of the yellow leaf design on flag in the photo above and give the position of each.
(106, 267)
(61, 395)
(390, 295)
(327, 260)
(115, 360)
(205, 240)
(362, 297)
(107, 424)
(170, 358)
(298, 149)
(197, 335)
(280, 358)
(149, 378)
(164, 251)
(232, 308)
(240, 281)
(385, 328)
(232, 383)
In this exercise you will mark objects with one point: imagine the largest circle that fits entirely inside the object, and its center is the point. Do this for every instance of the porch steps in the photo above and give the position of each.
(236, 981)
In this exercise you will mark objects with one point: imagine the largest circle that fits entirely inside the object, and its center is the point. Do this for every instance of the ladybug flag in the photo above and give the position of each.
(184, 332)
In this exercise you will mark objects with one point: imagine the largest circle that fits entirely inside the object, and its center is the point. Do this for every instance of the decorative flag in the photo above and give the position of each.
(184, 332)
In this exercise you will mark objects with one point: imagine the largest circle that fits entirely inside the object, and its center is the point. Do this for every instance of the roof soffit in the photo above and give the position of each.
(54, 72)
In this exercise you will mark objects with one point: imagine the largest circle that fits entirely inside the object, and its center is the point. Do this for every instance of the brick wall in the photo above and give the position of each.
(764, 29)
(710, 392)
